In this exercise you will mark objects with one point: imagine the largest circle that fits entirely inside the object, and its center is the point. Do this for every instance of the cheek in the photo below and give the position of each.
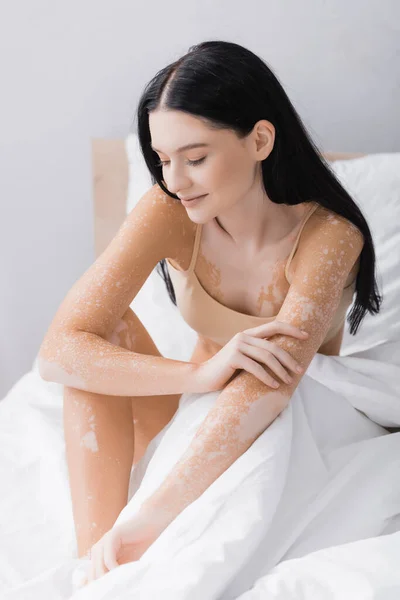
(232, 175)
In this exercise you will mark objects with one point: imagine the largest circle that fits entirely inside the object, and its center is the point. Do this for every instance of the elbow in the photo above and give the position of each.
(50, 349)
(58, 372)
(55, 372)
(47, 351)
(44, 368)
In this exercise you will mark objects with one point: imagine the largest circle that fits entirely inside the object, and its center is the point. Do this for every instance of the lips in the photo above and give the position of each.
(193, 200)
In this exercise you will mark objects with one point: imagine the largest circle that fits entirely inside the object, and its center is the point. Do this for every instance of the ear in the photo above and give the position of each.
(264, 139)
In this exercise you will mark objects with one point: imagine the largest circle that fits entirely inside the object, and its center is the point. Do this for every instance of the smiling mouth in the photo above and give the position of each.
(194, 199)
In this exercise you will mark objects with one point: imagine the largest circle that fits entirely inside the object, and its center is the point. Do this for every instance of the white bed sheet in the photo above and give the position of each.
(311, 510)
(341, 467)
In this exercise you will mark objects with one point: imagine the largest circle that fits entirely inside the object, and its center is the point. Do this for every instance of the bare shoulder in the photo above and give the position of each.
(326, 226)
(165, 220)
(327, 233)
(152, 231)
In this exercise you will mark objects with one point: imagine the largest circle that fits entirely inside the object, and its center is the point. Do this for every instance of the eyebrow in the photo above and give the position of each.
(187, 147)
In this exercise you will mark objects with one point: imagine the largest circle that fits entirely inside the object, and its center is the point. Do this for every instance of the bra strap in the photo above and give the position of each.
(195, 247)
(305, 219)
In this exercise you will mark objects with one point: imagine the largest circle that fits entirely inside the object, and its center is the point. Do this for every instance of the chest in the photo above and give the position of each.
(255, 285)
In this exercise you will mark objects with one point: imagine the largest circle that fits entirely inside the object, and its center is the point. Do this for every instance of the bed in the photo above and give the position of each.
(38, 554)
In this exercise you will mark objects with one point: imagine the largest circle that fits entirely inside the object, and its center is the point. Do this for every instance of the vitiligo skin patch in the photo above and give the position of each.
(224, 289)
(245, 408)
(77, 350)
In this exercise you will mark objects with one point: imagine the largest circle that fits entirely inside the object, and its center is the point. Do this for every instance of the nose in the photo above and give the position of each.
(176, 179)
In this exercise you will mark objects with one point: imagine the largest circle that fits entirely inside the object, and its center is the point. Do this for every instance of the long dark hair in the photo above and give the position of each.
(228, 87)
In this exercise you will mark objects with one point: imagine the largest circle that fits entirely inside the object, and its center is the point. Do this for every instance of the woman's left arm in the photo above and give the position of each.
(247, 406)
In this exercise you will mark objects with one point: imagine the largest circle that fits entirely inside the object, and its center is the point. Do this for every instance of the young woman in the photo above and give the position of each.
(261, 242)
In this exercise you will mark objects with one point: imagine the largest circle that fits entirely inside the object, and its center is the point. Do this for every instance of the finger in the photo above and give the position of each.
(291, 330)
(98, 562)
(91, 571)
(266, 358)
(258, 371)
(110, 553)
(284, 357)
(102, 565)
(274, 327)
(94, 563)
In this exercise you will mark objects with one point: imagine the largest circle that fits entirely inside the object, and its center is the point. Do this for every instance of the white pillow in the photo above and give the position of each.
(139, 176)
(373, 181)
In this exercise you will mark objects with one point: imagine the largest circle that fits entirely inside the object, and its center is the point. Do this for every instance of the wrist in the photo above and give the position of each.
(195, 380)
(159, 511)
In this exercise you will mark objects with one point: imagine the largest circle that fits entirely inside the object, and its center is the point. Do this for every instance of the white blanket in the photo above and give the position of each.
(324, 475)
(310, 512)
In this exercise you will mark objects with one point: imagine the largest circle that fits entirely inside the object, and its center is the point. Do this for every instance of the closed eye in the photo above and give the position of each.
(193, 163)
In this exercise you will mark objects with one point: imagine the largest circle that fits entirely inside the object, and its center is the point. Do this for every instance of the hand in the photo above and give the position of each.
(238, 353)
(122, 544)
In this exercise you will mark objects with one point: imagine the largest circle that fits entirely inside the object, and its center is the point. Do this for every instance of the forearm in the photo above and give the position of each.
(88, 362)
(243, 410)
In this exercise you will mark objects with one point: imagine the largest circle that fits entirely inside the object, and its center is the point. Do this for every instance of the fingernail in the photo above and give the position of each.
(299, 369)
(275, 384)
(304, 332)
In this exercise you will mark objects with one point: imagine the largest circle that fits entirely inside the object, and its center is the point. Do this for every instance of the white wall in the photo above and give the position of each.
(74, 70)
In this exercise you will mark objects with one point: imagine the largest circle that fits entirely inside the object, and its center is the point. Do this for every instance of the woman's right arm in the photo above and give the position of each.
(75, 351)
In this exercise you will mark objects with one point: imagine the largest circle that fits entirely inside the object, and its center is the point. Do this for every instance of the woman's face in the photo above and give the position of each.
(224, 168)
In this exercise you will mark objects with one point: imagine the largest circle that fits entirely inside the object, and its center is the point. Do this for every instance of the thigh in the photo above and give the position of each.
(150, 413)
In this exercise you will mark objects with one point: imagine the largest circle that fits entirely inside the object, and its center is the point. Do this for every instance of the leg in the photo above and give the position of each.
(102, 441)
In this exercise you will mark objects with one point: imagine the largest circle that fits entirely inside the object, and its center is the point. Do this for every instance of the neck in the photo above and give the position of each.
(255, 229)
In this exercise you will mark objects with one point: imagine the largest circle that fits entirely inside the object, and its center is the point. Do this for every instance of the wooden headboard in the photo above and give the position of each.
(110, 186)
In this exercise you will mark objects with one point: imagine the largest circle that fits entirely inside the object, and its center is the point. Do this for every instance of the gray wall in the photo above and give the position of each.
(74, 70)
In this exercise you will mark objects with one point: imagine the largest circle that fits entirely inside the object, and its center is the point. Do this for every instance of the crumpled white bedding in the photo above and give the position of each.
(311, 510)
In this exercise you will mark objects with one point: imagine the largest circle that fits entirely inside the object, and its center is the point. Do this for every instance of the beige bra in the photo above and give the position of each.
(215, 321)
